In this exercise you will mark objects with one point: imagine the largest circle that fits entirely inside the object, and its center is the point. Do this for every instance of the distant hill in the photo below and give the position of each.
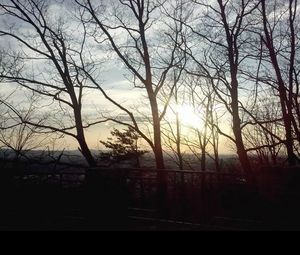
(147, 160)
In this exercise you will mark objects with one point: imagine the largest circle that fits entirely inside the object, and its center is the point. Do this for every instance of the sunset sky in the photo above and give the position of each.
(115, 79)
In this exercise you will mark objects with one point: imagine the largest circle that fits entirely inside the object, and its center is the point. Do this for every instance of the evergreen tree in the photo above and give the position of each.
(124, 145)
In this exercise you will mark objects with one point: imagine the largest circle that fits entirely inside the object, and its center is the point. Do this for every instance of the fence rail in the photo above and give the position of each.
(173, 177)
(190, 196)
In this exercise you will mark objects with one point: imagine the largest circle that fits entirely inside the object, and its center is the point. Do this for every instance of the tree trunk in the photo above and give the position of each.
(203, 159)
(178, 142)
(236, 125)
(84, 149)
(137, 156)
(158, 152)
(217, 163)
(159, 159)
(242, 154)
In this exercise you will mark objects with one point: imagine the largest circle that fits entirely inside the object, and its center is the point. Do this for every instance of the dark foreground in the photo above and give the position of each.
(122, 200)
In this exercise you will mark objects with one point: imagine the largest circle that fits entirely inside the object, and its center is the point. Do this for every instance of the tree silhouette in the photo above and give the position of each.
(125, 145)
(57, 58)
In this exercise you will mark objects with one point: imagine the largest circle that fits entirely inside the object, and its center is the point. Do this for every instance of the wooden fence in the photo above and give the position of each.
(190, 196)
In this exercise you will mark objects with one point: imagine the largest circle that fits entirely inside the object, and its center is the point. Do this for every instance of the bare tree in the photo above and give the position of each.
(282, 50)
(202, 99)
(172, 127)
(18, 136)
(266, 139)
(50, 57)
(222, 35)
(149, 53)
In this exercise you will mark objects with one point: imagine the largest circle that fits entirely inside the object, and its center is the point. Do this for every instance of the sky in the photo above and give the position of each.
(114, 80)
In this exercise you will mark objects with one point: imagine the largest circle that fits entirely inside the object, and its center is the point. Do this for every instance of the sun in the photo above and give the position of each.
(188, 117)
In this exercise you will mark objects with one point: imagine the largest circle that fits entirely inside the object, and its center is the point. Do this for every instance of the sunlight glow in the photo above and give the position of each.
(189, 117)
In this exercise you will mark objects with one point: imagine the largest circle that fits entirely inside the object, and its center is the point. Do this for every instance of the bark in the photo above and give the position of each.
(236, 126)
(84, 149)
